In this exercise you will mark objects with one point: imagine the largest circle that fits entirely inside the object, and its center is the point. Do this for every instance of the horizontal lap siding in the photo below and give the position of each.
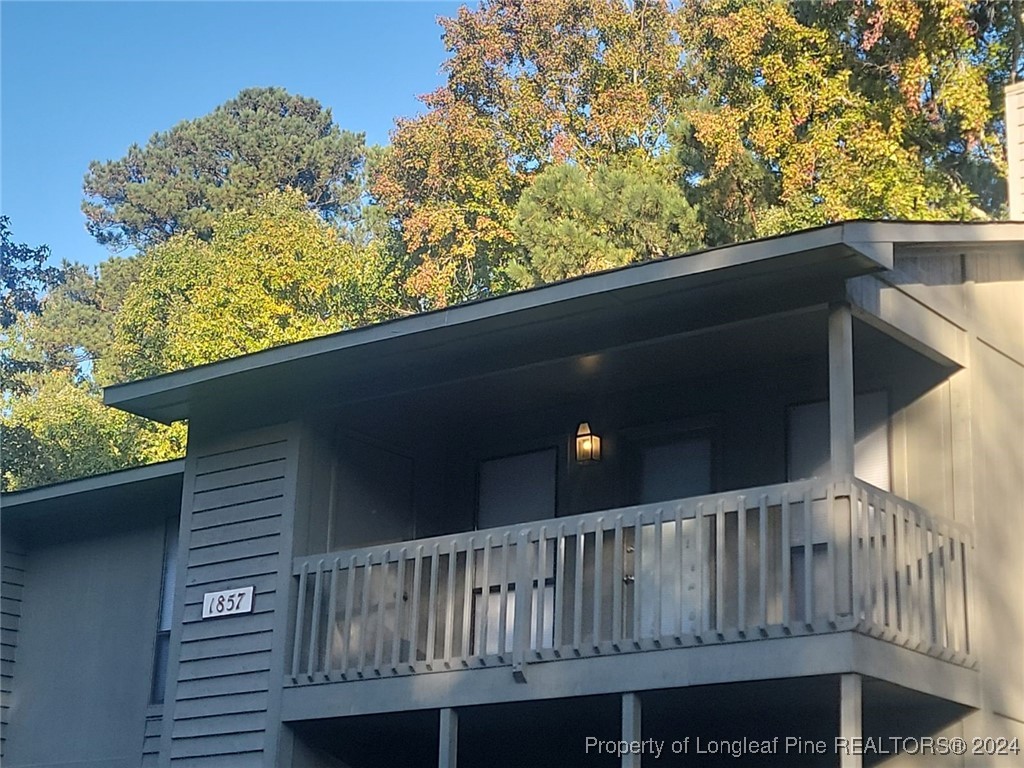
(151, 743)
(223, 672)
(12, 582)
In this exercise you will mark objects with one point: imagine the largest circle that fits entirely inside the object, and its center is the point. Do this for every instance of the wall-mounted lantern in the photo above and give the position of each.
(588, 445)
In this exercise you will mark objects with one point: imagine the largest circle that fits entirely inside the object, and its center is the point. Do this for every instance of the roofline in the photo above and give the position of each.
(94, 483)
(872, 239)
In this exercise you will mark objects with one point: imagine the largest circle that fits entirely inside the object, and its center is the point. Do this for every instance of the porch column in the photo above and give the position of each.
(840, 390)
(631, 727)
(850, 724)
(447, 752)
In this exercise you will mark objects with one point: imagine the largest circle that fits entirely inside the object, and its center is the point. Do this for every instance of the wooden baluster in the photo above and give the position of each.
(598, 580)
(314, 629)
(485, 597)
(435, 565)
(560, 578)
(658, 522)
(762, 564)
(414, 613)
(449, 610)
(680, 566)
(521, 619)
(503, 598)
(808, 560)
(618, 577)
(787, 561)
(577, 602)
(378, 651)
(332, 614)
(350, 599)
(703, 591)
(542, 571)
(299, 621)
(468, 580)
(720, 568)
(396, 644)
(364, 617)
(638, 577)
(741, 564)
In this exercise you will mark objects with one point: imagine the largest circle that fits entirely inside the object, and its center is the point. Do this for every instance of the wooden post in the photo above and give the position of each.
(842, 548)
(850, 724)
(521, 619)
(631, 728)
(840, 390)
(448, 746)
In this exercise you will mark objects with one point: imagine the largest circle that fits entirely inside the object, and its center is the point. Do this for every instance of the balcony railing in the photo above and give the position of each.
(806, 557)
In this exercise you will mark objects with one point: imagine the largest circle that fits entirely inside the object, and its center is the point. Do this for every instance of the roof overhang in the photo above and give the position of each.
(558, 319)
(87, 502)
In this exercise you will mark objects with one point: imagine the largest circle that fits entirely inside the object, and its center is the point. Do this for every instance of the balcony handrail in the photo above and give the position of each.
(966, 531)
(818, 486)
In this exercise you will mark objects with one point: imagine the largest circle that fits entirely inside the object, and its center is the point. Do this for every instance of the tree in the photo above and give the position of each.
(805, 113)
(61, 430)
(529, 85)
(769, 115)
(76, 325)
(262, 140)
(571, 222)
(24, 275)
(271, 274)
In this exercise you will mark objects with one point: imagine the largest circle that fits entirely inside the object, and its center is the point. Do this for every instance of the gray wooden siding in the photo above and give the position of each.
(151, 742)
(12, 582)
(1015, 149)
(233, 535)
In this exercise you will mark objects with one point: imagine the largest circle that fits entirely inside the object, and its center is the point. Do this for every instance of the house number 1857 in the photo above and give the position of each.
(227, 603)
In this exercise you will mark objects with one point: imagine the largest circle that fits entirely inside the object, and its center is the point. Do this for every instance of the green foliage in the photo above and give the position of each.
(61, 430)
(23, 275)
(262, 140)
(804, 114)
(269, 275)
(76, 324)
(529, 84)
(571, 222)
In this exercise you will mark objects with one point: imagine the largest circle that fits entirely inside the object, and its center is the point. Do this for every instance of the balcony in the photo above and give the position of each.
(796, 559)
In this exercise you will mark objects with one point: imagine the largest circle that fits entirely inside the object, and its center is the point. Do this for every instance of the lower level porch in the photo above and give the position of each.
(823, 720)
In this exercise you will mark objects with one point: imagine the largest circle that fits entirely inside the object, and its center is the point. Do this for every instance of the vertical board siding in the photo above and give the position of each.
(1015, 149)
(235, 539)
(12, 582)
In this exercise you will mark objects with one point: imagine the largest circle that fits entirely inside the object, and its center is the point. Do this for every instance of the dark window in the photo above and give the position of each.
(163, 633)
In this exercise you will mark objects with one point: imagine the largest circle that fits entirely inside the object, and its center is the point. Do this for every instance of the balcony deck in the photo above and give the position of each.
(804, 558)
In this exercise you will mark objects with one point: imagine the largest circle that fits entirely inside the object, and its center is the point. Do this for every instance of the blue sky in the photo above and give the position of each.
(82, 81)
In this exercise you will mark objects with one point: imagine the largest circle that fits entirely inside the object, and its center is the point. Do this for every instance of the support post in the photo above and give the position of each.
(850, 723)
(448, 747)
(523, 619)
(840, 390)
(631, 729)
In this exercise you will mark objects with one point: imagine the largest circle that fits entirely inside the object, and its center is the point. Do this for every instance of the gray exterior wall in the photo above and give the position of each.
(1015, 149)
(236, 531)
(12, 584)
(85, 647)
